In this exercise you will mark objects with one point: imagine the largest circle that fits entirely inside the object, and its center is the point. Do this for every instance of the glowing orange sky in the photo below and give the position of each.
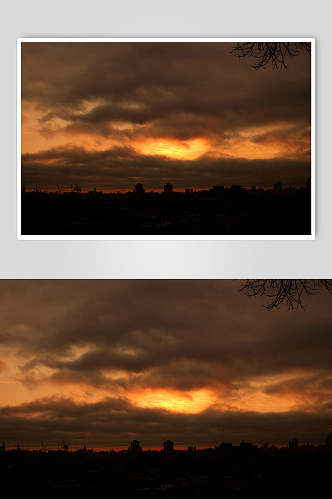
(187, 150)
(187, 360)
(210, 112)
(240, 145)
(179, 402)
(38, 383)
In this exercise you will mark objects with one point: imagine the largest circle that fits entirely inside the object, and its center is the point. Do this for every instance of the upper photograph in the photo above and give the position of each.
(153, 138)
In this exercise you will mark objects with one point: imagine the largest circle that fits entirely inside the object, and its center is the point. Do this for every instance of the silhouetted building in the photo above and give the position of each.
(293, 443)
(168, 446)
(244, 444)
(3, 447)
(328, 440)
(168, 188)
(63, 447)
(225, 445)
(139, 188)
(192, 449)
(218, 189)
(135, 447)
(95, 192)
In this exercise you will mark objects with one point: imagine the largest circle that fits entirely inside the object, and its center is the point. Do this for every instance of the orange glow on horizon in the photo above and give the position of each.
(179, 402)
(171, 148)
(244, 143)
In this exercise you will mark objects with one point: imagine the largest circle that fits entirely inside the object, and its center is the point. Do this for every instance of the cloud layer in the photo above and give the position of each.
(190, 113)
(188, 360)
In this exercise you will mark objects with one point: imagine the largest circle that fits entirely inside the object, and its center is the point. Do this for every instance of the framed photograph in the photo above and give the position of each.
(166, 138)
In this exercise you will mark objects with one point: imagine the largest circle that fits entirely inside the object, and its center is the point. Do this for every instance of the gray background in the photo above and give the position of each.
(165, 259)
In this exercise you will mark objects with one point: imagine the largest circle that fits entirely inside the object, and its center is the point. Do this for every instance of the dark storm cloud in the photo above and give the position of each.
(141, 82)
(122, 167)
(302, 384)
(181, 91)
(184, 116)
(185, 333)
(132, 335)
(115, 422)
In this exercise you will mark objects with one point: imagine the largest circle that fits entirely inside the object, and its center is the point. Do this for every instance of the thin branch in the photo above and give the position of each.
(290, 292)
(274, 53)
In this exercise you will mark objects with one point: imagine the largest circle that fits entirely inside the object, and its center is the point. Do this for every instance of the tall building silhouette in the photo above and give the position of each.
(293, 443)
(139, 188)
(328, 440)
(168, 446)
(168, 188)
(135, 447)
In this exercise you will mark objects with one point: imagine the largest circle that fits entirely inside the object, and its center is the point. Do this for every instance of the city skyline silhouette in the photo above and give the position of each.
(217, 210)
(226, 471)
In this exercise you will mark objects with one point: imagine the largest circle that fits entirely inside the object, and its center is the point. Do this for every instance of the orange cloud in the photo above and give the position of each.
(180, 402)
(182, 150)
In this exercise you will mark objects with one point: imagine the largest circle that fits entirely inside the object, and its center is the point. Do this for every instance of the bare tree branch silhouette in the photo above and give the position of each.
(290, 292)
(274, 53)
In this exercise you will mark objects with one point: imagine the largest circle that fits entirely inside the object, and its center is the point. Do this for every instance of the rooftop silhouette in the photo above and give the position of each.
(218, 210)
(225, 471)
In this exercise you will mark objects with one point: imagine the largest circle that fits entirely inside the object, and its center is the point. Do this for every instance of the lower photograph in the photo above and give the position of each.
(166, 388)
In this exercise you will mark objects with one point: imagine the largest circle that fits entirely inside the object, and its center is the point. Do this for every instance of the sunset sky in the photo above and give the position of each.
(103, 362)
(114, 114)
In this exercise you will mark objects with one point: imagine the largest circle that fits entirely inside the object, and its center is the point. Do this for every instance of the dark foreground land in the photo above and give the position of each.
(223, 472)
(218, 211)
